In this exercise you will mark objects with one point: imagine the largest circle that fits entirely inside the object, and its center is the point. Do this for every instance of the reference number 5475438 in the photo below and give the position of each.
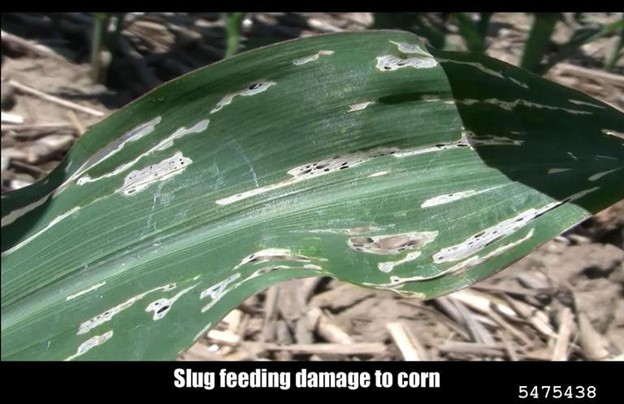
(556, 392)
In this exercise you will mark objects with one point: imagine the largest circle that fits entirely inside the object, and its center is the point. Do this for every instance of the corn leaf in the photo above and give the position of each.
(361, 156)
(539, 42)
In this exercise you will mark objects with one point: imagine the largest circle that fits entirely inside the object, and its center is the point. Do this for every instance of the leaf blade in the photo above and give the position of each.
(254, 204)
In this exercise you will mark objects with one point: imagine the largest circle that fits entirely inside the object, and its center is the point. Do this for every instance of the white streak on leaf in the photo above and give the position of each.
(164, 144)
(510, 105)
(215, 291)
(476, 65)
(116, 145)
(251, 89)
(161, 307)
(598, 176)
(183, 131)
(311, 58)
(468, 101)
(463, 142)
(85, 179)
(52, 223)
(589, 104)
(610, 132)
(491, 140)
(90, 344)
(272, 268)
(452, 197)
(108, 314)
(437, 98)
(389, 266)
(388, 63)
(340, 162)
(360, 106)
(85, 291)
(253, 192)
(17, 213)
(580, 194)
(345, 161)
(411, 48)
(218, 290)
(558, 170)
(431, 149)
(378, 174)
(305, 59)
(271, 254)
(398, 282)
(433, 98)
(486, 70)
(351, 232)
(268, 269)
(476, 260)
(519, 83)
(503, 229)
(391, 244)
(139, 180)
(312, 170)
(397, 289)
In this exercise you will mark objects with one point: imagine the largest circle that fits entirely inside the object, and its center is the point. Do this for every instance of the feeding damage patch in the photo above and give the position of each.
(139, 180)
(392, 244)
(252, 89)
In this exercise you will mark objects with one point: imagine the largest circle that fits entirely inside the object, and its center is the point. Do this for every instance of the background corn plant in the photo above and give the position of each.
(540, 53)
(364, 157)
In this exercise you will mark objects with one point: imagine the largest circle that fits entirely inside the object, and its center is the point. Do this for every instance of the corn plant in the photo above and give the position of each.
(103, 43)
(616, 51)
(233, 27)
(539, 55)
(536, 56)
(431, 26)
(474, 33)
(366, 157)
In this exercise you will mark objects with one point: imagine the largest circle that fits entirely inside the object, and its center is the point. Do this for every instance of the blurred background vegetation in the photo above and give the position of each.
(472, 32)
(156, 47)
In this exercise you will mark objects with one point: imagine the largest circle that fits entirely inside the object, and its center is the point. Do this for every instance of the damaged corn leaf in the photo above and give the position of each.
(361, 156)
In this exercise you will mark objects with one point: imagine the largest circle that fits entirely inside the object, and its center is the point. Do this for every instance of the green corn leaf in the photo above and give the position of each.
(233, 28)
(539, 40)
(360, 156)
(580, 38)
(474, 33)
(484, 24)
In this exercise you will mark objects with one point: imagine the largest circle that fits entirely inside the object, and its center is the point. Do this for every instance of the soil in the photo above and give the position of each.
(564, 301)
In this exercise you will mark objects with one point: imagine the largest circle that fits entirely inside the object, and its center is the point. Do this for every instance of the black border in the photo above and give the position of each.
(466, 381)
